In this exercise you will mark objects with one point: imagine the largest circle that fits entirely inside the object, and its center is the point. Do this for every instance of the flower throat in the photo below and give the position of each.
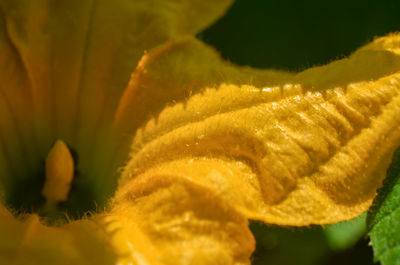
(57, 191)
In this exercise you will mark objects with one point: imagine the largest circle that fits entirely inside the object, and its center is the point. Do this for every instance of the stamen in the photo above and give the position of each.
(59, 173)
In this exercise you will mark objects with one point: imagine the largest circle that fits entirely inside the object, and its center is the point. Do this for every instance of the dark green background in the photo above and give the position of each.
(294, 35)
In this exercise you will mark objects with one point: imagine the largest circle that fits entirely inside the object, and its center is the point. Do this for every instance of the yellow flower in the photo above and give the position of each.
(283, 148)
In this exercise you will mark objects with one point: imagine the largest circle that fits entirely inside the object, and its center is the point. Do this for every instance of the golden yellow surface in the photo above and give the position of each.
(283, 151)
(295, 154)
(226, 143)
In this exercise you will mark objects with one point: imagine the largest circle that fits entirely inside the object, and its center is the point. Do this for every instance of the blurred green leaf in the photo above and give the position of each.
(344, 235)
(383, 217)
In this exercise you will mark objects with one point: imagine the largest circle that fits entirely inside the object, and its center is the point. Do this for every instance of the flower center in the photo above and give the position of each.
(56, 189)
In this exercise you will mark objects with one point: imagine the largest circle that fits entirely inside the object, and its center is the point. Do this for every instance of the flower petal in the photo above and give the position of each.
(288, 152)
(31, 242)
(174, 71)
(317, 158)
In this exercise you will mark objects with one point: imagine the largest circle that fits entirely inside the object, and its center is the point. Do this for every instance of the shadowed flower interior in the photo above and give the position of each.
(241, 143)
(65, 65)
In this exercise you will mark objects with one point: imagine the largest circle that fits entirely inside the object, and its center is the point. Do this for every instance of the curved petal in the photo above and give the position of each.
(308, 157)
(288, 153)
(174, 71)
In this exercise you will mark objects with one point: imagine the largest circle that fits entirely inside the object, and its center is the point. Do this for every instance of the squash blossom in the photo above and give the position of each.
(125, 140)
